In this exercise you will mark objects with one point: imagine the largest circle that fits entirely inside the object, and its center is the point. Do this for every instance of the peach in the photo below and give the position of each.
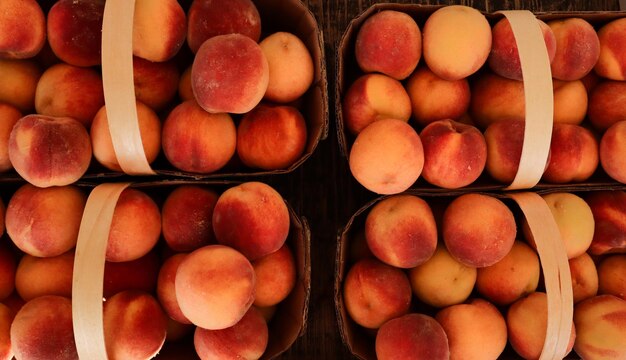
(42, 329)
(44, 222)
(159, 29)
(609, 214)
(215, 286)
(75, 31)
(511, 278)
(389, 42)
(247, 339)
(166, 289)
(372, 97)
(475, 330)
(275, 277)
(478, 230)
(14, 302)
(8, 267)
(455, 154)
(37, 276)
(611, 63)
(135, 228)
(612, 276)
(456, 41)
(607, 104)
(230, 73)
(600, 328)
(290, 66)
(387, 157)
(19, 83)
(23, 25)
(134, 326)
(527, 321)
(70, 91)
(584, 277)
(156, 83)
(375, 293)
(196, 141)
(209, 18)
(140, 274)
(433, 98)
(401, 231)
(412, 336)
(495, 98)
(504, 56)
(573, 154)
(442, 281)
(149, 129)
(186, 218)
(9, 115)
(253, 218)
(591, 80)
(271, 137)
(49, 151)
(6, 318)
(570, 101)
(577, 48)
(504, 149)
(185, 91)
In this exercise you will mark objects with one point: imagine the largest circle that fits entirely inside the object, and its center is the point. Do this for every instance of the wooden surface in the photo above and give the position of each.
(323, 191)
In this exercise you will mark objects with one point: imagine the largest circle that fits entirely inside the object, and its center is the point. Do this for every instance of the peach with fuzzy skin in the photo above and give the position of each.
(372, 97)
(8, 267)
(504, 149)
(70, 91)
(134, 326)
(577, 48)
(209, 18)
(23, 25)
(504, 56)
(612, 276)
(412, 335)
(455, 154)
(584, 277)
(374, 293)
(48, 151)
(159, 29)
(196, 141)
(433, 98)
(42, 329)
(600, 329)
(37, 276)
(275, 277)
(389, 42)
(476, 330)
(401, 231)
(611, 63)
(9, 115)
(215, 286)
(442, 280)
(609, 212)
(495, 98)
(75, 31)
(156, 83)
(247, 339)
(516, 275)
(186, 218)
(140, 274)
(456, 41)
(570, 101)
(607, 104)
(271, 137)
(253, 218)
(387, 157)
(6, 318)
(478, 230)
(185, 91)
(44, 222)
(573, 154)
(166, 289)
(19, 83)
(230, 73)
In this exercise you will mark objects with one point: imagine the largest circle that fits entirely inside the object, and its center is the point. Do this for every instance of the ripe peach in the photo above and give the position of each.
(275, 277)
(253, 218)
(44, 222)
(478, 230)
(387, 157)
(442, 281)
(504, 149)
(475, 330)
(70, 91)
(8, 266)
(584, 277)
(271, 137)
(577, 48)
(600, 328)
(48, 151)
(591, 80)
(455, 154)
(573, 154)
(609, 212)
(159, 29)
(433, 98)
(9, 115)
(23, 25)
(412, 336)
(389, 42)
(375, 293)
(6, 318)
(611, 63)
(185, 91)
(37, 276)
(372, 97)
(456, 41)
(156, 83)
(401, 231)
(215, 286)
(230, 74)
(166, 289)
(495, 98)
(606, 104)
(197, 141)
(19, 83)
(290, 65)
(612, 276)
(209, 18)
(570, 101)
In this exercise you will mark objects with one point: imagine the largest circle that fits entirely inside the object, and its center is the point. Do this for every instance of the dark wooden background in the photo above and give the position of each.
(323, 191)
